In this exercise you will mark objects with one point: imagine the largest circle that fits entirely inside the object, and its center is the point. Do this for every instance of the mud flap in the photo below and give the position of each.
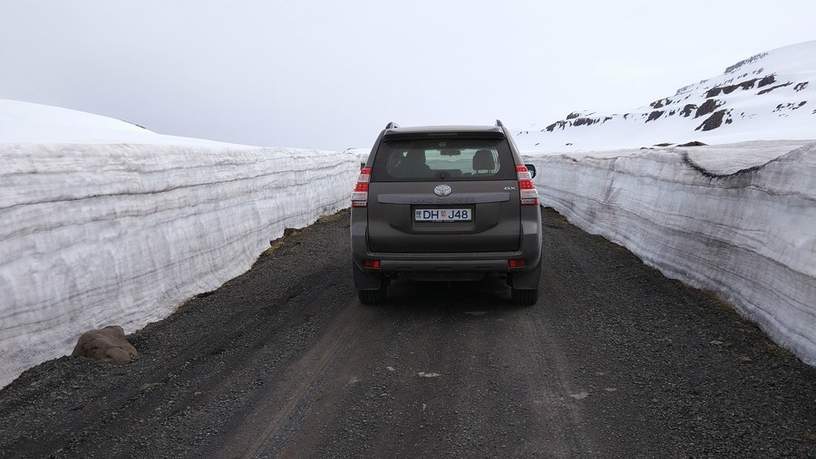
(526, 280)
(364, 280)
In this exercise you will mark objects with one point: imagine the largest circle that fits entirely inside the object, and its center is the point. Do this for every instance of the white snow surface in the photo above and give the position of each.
(25, 122)
(121, 233)
(360, 153)
(766, 97)
(736, 219)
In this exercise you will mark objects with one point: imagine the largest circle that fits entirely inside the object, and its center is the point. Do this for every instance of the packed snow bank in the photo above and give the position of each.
(747, 234)
(94, 235)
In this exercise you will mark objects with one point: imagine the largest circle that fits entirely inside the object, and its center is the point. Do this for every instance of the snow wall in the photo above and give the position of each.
(747, 234)
(94, 235)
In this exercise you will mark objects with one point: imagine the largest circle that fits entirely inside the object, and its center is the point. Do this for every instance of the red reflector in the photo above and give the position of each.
(526, 184)
(521, 168)
(361, 186)
(371, 264)
(514, 263)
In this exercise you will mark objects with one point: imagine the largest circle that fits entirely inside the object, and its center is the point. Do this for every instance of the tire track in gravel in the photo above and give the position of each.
(264, 426)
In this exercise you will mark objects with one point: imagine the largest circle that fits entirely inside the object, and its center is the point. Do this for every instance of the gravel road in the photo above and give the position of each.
(615, 360)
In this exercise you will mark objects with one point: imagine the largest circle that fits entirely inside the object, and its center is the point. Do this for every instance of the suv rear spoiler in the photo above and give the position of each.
(393, 125)
(391, 135)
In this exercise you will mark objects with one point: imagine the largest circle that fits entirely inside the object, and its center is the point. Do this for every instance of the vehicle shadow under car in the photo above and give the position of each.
(470, 297)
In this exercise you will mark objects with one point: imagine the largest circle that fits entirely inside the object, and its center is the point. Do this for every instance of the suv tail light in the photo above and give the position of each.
(515, 263)
(527, 189)
(372, 264)
(359, 197)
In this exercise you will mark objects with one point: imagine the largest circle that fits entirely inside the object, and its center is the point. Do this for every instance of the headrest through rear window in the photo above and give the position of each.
(483, 161)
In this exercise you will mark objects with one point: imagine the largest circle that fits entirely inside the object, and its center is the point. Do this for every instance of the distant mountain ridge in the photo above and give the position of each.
(770, 95)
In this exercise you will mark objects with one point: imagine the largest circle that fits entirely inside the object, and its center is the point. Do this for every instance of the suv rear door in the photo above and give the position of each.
(407, 194)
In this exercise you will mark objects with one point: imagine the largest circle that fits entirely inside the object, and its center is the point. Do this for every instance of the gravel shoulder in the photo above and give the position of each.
(615, 360)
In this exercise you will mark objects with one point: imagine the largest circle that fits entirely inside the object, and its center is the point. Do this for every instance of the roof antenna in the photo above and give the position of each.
(391, 125)
(499, 123)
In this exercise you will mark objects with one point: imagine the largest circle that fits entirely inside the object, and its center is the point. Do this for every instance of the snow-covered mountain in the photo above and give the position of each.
(25, 123)
(771, 95)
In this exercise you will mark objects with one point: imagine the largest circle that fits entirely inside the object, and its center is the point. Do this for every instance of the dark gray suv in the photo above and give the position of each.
(445, 203)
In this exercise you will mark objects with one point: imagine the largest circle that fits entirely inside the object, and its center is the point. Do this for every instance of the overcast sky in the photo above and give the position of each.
(331, 74)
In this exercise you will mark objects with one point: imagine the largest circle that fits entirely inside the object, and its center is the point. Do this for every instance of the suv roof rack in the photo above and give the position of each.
(499, 123)
(391, 125)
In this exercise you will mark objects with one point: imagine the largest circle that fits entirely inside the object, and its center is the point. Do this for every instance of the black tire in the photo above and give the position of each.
(373, 297)
(524, 297)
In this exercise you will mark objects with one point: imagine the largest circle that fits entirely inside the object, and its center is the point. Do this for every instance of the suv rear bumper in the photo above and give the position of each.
(467, 262)
(437, 264)
(447, 267)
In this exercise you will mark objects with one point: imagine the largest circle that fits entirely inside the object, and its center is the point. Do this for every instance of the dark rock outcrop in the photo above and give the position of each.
(686, 111)
(558, 124)
(713, 122)
(770, 79)
(654, 115)
(790, 106)
(744, 85)
(584, 121)
(739, 64)
(708, 107)
(767, 90)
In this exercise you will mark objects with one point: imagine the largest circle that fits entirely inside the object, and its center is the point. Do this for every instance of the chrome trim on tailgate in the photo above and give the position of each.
(457, 198)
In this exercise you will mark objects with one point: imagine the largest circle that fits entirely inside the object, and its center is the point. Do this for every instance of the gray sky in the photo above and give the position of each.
(331, 74)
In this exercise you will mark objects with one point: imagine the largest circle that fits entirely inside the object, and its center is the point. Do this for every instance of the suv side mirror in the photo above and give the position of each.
(532, 169)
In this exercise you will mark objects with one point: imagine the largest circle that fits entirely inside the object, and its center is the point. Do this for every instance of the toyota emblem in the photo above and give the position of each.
(442, 190)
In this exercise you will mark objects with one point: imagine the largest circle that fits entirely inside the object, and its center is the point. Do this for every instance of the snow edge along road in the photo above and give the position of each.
(746, 235)
(95, 235)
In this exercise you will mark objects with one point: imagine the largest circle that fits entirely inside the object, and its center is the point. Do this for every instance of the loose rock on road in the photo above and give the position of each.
(614, 360)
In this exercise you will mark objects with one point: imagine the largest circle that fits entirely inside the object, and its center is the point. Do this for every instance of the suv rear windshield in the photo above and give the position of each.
(405, 160)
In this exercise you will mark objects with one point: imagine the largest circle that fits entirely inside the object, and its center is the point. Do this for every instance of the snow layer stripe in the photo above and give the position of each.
(121, 234)
(748, 235)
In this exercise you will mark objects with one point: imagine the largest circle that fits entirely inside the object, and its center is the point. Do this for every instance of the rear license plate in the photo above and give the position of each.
(443, 215)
